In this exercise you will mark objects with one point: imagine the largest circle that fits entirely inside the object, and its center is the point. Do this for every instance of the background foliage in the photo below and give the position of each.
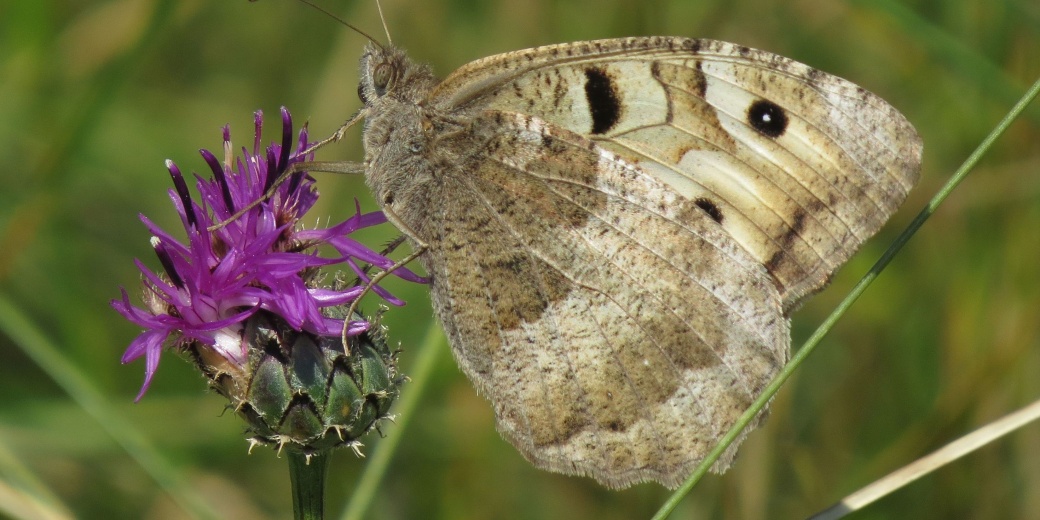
(94, 95)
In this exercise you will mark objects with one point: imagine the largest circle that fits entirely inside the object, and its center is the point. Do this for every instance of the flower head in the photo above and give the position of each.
(262, 261)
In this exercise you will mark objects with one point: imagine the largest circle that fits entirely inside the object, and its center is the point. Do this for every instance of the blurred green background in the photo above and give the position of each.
(94, 95)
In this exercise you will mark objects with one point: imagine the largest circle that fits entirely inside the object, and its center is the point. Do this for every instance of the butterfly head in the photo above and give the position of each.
(386, 72)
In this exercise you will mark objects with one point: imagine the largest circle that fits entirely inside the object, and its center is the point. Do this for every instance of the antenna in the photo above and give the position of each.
(382, 18)
(344, 22)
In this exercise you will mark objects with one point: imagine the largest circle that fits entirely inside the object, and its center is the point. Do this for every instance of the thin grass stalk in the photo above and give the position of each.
(839, 311)
(955, 450)
(32, 341)
(412, 393)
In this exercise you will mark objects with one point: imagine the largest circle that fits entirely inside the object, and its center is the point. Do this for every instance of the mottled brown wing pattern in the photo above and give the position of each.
(616, 230)
(799, 166)
(618, 330)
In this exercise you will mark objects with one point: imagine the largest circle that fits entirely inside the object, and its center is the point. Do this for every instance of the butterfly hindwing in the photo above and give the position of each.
(562, 300)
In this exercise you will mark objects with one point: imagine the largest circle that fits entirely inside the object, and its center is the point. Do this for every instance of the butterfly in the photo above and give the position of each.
(617, 231)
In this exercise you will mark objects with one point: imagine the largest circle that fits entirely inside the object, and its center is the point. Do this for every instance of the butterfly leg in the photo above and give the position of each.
(314, 166)
(378, 277)
(390, 248)
(335, 137)
(419, 247)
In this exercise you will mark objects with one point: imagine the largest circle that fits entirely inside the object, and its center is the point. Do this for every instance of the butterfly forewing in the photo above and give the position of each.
(799, 166)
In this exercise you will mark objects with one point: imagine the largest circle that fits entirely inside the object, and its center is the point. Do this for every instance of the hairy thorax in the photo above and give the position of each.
(417, 158)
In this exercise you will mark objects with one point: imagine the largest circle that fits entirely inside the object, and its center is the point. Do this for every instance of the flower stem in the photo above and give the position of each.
(308, 484)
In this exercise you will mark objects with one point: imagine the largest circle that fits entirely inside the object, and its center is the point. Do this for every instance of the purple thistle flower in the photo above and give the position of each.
(259, 261)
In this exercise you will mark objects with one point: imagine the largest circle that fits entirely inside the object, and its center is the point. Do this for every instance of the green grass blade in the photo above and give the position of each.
(973, 66)
(432, 347)
(37, 346)
(825, 327)
(949, 453)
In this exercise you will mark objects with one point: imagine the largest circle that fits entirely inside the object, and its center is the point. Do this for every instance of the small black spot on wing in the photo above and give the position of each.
(773, 264)
(710, 208)
(768, 118)
(797, 226)
(604, 102)
(779, 260)
(815, 76)
(702, 83)
(693, 46)
(549, 143)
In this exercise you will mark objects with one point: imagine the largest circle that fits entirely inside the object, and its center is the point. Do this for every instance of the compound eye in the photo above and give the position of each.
(382, 77)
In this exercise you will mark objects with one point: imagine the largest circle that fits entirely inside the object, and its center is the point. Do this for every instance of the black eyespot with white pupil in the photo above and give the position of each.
(768, 118)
